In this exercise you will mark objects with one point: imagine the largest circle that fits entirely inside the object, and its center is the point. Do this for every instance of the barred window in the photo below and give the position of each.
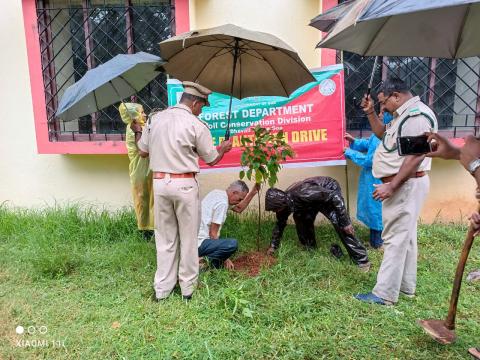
(450, 87)
(78, 35)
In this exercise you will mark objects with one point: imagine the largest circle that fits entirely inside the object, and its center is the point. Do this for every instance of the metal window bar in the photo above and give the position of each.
(77, 37)
(451, 88)
(48, 68)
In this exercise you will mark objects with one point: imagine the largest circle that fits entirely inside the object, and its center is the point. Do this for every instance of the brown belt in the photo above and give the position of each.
(161, 175)
(418, 174)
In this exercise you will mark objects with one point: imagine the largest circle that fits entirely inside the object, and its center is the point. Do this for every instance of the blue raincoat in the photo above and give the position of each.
(369, 210)
(361, 151)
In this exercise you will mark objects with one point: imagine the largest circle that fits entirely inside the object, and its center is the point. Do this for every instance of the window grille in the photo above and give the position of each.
(450, 87)
(78, 35)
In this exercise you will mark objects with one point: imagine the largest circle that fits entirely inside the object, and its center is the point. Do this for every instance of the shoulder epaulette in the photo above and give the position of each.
(414, 111)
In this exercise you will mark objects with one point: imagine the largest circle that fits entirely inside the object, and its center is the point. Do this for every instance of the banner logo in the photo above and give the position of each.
(327, 87)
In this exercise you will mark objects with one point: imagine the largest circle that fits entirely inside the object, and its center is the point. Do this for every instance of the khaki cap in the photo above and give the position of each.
(197, 90)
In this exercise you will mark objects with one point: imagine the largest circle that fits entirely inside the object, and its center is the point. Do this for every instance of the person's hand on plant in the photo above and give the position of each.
(228, 264)
(349, 229)
(349, 138)
(442, 148)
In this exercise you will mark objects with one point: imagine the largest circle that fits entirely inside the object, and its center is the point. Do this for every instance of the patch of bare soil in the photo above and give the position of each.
(251, 263)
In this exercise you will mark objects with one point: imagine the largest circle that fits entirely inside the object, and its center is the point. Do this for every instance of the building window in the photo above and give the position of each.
(78, 35)
(450, 87)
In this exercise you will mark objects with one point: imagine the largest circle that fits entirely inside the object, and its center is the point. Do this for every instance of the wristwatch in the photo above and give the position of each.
(473, 166)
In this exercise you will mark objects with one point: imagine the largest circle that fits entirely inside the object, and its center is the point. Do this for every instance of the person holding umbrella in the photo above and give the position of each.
(174, 139)
(138, 168)
(379, 28)
(404, 187)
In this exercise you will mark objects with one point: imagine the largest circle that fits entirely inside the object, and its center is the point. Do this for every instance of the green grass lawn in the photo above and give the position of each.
(87, 278)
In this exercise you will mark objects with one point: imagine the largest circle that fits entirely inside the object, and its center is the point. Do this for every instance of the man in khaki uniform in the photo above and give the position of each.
(174, 139)
(404, 187)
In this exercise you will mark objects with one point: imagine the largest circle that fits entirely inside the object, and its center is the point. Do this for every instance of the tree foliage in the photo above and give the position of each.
(262, 155)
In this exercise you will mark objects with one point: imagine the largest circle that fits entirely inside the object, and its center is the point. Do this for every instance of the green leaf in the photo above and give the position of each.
(271, 168)
(247, 312)
(242, 174)
(258, 152)
(258, 177)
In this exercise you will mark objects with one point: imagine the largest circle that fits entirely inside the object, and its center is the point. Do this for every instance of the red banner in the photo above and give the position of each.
(312, 118)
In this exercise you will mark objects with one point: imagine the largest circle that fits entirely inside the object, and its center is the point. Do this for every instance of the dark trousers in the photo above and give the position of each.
(217, 251)
(304, 223)
(376, 238)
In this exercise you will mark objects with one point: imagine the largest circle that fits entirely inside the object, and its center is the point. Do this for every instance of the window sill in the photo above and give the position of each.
(83, 147)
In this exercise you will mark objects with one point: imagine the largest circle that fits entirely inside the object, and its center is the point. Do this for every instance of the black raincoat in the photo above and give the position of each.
(305, 199)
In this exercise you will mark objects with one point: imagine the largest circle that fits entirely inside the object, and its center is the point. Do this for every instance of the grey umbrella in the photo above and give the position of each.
(109, 83)
(325, 21)
(430, 28)
(232, 60)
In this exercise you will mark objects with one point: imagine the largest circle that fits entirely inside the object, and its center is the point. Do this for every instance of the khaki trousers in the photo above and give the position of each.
(176, 210)
(400, 212)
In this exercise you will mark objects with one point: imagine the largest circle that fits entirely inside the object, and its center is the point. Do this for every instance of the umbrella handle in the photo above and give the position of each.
(235, 58)
(356, 103)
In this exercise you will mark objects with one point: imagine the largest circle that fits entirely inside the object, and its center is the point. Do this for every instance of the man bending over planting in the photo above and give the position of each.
(214, 212)
(305, 199)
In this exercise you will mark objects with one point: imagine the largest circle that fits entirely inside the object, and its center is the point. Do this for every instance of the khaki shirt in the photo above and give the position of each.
(175, 139)
(387, 163)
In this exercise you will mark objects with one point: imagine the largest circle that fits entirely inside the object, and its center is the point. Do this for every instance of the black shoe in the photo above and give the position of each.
(336, 251)
(147, 234)
(187, 297)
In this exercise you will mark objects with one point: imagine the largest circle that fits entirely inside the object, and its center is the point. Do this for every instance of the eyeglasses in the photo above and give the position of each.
(385, 100)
